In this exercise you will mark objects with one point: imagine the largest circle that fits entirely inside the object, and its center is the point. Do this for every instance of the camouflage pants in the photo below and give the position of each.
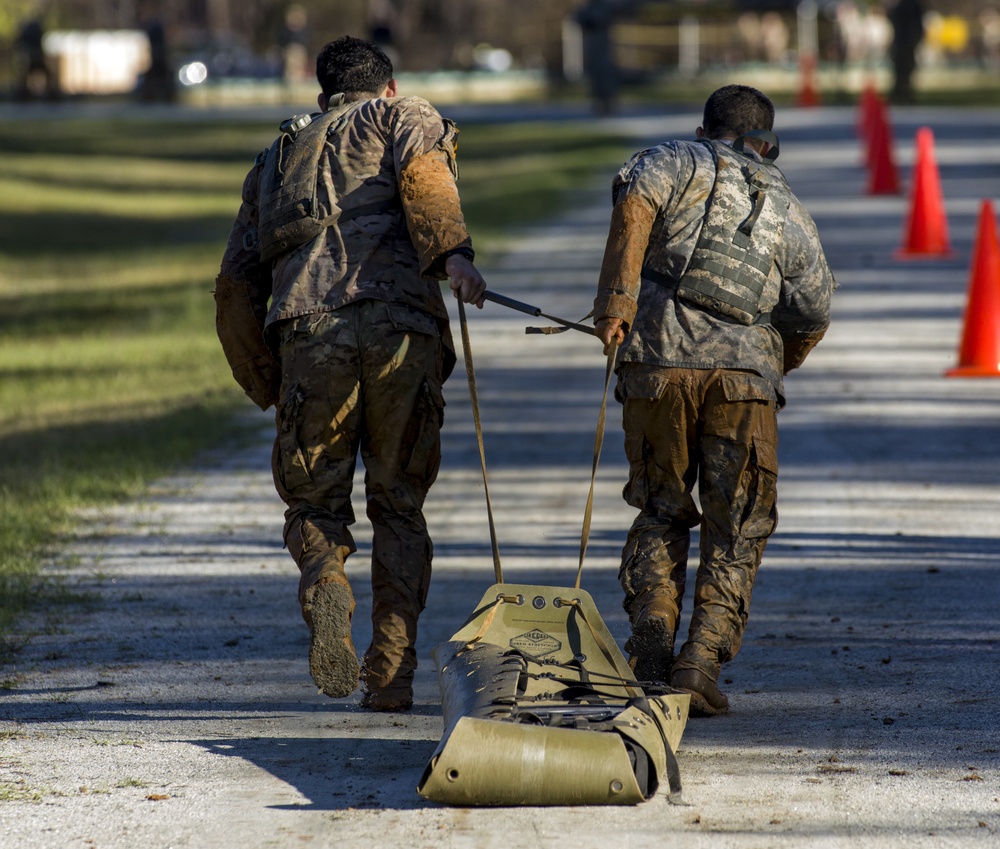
(717, 428)
(366, 377)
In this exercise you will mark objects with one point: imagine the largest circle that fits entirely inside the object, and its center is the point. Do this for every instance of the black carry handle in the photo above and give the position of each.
(520, 306)
(503, 300)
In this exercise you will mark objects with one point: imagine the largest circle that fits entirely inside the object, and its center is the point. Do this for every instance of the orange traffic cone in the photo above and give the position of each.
(877, 117)
(883, 176)
(926, 227)
(979, 354)
(808, 92)
(868, 103)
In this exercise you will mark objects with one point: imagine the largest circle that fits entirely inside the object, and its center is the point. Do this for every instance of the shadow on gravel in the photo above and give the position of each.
(876, 672)
(335, 774)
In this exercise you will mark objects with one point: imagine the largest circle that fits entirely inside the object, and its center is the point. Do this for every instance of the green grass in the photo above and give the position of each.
(110, 239)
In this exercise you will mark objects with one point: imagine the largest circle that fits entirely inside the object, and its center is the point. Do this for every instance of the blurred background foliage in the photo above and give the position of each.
(647, 40)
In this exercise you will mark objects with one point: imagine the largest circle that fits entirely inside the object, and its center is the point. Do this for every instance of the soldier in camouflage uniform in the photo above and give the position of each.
(347, 335)
(715, 285)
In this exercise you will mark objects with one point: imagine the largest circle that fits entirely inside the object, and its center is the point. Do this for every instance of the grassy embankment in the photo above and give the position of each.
(110, 238)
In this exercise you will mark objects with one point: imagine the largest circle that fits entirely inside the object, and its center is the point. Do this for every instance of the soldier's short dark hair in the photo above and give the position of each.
(736, 109)
(352, 66)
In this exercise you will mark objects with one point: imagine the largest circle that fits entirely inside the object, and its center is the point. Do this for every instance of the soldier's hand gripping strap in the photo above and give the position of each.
(240, 327)
(798, 346)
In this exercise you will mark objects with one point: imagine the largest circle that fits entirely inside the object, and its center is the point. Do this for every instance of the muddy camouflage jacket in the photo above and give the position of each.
(396, 156)
(661, 198)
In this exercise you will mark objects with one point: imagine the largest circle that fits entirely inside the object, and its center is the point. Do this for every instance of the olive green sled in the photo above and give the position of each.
(540, 708)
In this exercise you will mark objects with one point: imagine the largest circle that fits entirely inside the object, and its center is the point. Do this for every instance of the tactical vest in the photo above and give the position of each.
(288, 203)
(739, 238)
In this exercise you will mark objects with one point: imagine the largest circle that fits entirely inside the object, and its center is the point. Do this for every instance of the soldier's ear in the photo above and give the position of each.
(391, 89)
(321, 101)
(699, 133)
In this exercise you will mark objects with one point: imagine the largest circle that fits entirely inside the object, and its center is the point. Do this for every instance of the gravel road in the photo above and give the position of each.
(172, 706)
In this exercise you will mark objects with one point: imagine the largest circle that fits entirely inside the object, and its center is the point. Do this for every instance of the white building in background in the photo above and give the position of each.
(97, 62)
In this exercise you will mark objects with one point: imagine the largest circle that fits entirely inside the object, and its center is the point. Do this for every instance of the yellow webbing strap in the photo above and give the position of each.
(494, 606)
(470, 372)
(598, 443)
(601, 644)
(485, 624)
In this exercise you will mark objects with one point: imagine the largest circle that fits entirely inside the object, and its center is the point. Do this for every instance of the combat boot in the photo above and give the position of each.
(390, 662)
(327, 608)
(706, 698)
(390, 693)
(327, 602)
(388, 701)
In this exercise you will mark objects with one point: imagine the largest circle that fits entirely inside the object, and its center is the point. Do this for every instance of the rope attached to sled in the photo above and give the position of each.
(470, 372)
(598, 443)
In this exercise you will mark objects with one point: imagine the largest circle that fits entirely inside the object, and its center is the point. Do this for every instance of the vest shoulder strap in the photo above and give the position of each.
(288, 213)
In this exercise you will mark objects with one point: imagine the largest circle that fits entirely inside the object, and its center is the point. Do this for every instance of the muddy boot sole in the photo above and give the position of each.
(333, 662)
(651, 652)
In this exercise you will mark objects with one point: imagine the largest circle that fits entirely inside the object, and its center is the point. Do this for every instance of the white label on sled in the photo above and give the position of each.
(536, 643)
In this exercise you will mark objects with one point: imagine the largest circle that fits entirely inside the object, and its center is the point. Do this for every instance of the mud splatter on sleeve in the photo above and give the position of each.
(425, 154)
(628, 236)
(632, 219)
